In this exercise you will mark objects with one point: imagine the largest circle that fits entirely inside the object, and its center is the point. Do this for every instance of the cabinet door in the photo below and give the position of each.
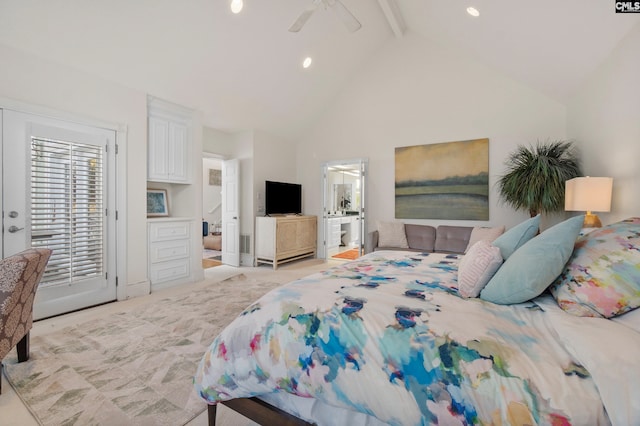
(158, 149)
(307, 233)
(286, 236)
(177, 148)
(168, 150)
(334, 232)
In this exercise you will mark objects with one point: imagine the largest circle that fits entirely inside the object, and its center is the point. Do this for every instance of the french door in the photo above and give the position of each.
(344, 194)
(58, 192)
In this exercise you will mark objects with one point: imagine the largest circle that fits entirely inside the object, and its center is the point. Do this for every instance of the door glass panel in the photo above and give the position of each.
(67, 209)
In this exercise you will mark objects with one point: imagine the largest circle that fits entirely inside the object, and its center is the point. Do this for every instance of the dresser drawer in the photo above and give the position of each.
(165, 231)
(169, 271)
(169, 250)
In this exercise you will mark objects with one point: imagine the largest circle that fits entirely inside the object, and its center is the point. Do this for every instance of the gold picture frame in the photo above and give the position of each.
(448, 180)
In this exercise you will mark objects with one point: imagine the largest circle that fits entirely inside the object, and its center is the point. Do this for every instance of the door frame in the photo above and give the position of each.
(120, 178)
(364, 164)
(231, 254)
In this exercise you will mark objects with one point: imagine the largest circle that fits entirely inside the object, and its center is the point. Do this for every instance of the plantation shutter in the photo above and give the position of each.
(67, 208)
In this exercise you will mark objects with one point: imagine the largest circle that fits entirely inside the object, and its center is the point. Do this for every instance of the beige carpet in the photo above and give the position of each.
(134, 367)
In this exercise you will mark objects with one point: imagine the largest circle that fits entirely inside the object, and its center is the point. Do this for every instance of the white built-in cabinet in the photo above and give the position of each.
(282, 239)
(350, 225)
(173, 242)
(169, 251)
(334, 234)
(169, 145)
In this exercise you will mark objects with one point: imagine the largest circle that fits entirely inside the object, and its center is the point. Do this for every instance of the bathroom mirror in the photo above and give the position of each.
(342, 197)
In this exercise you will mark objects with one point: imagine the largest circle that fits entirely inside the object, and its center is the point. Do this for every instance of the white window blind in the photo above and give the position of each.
(67, 208)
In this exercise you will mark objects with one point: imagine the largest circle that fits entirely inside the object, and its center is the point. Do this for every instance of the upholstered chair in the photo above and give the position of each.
(20, 275)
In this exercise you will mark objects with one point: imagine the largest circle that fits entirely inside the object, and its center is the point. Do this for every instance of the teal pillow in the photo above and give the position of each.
(515, 237)
(535, 265)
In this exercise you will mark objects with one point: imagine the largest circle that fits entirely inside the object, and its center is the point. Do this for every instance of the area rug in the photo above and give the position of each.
(211, 254)
(349, 254)
(134, 367)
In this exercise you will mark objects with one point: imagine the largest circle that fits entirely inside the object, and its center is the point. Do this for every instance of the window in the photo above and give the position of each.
(67, 208)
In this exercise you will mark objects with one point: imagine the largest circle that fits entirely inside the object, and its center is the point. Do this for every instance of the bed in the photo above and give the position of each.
(390, 339)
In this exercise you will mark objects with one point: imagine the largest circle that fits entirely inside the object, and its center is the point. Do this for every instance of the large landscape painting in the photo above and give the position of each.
(443, 181)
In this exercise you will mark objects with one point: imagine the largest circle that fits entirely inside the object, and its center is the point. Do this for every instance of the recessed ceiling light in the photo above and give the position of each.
(236, 6)
(307, 62)
(473, 11)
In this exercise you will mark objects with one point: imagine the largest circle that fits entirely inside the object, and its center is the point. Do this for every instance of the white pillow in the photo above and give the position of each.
(484, 233)
(477, 267)
(392, 234)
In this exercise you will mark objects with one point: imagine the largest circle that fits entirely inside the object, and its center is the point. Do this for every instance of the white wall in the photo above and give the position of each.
(604, 119)
(31, 80)
(414, 92)
(217, 142)
(274, 159)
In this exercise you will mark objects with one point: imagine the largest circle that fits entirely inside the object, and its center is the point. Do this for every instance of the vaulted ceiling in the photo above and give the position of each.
(244, 71)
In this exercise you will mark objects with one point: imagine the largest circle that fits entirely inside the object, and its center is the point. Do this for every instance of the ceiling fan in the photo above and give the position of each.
(347, 17)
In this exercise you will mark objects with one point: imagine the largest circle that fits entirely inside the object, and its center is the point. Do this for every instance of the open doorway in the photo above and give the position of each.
(343, 209)
(211, 210)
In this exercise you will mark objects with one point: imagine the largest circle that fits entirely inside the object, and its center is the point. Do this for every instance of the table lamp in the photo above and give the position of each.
(588, 194)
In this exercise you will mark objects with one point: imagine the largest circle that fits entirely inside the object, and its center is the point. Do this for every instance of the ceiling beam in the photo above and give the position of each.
(394, 16)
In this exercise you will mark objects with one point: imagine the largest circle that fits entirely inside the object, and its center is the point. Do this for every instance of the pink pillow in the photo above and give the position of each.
(477, 267)
(484, 233)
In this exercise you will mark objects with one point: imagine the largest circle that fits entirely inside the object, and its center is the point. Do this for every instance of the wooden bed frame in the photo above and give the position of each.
(257, 410)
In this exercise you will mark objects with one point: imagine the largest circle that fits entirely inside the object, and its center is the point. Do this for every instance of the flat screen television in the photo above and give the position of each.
(282, 198)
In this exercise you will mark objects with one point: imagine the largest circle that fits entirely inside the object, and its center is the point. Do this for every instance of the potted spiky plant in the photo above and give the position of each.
(536, 176)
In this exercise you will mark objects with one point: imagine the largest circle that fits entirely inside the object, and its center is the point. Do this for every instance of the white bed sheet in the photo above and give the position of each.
(610, 352)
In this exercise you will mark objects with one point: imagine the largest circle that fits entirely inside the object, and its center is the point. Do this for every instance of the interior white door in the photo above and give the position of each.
(59, 192)
(231, 212)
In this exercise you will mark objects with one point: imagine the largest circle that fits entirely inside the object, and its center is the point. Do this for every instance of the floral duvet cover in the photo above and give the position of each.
(388, 335)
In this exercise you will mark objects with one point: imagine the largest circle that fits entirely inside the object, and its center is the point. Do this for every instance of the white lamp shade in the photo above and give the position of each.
(588, 194)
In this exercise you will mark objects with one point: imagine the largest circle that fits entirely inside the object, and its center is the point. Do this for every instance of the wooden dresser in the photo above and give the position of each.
(282, 239)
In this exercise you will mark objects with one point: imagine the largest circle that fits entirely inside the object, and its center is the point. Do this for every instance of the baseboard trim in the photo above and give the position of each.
(142, 288)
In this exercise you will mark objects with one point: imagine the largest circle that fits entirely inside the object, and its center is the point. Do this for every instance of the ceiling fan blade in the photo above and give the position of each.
(347, 17)
(303, 18)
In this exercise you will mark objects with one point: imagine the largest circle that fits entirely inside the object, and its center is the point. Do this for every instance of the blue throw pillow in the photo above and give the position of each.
(515, 237)
(535, 265)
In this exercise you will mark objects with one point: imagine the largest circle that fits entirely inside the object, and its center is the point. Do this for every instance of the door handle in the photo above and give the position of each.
(14, 229)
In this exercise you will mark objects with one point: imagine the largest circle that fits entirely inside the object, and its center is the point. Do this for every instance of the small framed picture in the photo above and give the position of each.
(215, 177)
(157, 203)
